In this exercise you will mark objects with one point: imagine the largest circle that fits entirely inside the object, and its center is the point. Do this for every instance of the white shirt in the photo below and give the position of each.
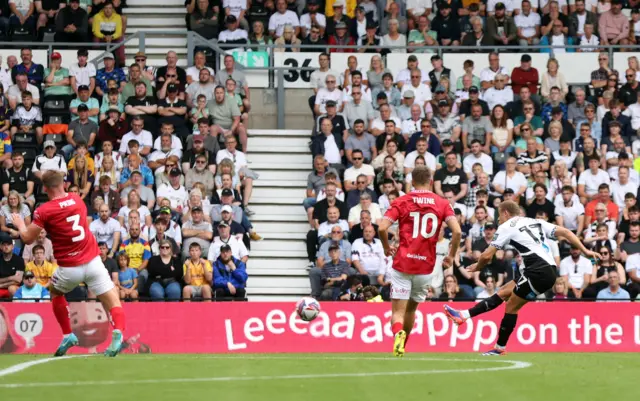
(383, 201)
(495, 96)
(305, 20)
(484, 159)
(404, 76)
(104, 231)
(124, 213)
(235, 6)
(326, 227)
(410, 160)
(633, 263)
(277, 21)
(83, 75)
(238, 158)
(237, 34)
(144, 138)
(176, 144)
(633, 112)
(371, 256)
(15, 92)
(331, 151)
(378, 123)
(488, 75)
(409, 126)
(527, 23)
(591, 182)
(5, 79)
(418, 7)
(374, 209)
(352, 173)
(194, 72)
(575, 270)
(516, 182)
(324, 95)
(318, 78)
(159, 155)
(422, 92)
(618, 191)
(178, 197)
(117, 160)
(590, 44)
(238, 249)
(557, 41)
(366, 93)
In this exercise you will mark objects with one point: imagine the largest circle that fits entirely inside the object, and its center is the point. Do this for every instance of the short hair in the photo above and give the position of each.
(510, 207)
(356, 73)
(568, 188)
(358, 121)
(603, 186)
(52, 179)
(634, 208)
(26, 94)
(195, 245)
(421, 175)
(544, 187)
(37, 248)
(474, 141)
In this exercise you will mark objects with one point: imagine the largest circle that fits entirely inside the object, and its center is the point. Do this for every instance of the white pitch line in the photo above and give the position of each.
(513, 365)
(26, 365)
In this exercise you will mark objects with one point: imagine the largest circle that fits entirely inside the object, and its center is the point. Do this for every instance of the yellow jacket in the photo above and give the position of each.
(100, 19)
(43, 273)
(349, 10)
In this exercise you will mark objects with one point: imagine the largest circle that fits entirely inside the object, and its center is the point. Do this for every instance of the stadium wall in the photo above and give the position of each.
(341, 327)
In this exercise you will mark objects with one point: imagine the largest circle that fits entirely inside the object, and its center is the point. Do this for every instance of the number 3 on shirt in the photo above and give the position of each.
(420, 224)
(75, 220)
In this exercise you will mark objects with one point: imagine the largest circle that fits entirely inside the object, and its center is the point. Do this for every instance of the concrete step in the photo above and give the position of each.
(155, 3)
(279, 133)
(278, 245)
(279, 282)
(260, 266)
(285, 144)
(268, 227)
(156, 20)
(300, 184)
(276, 175)
(288, 166)
(160, 30)
(176, 41)
(278, 160)
(154, 10)
(275, 211)
(270, 253)
(280, 195)
(295, 216)
(160, 51)
(260, 200)
(282, 235)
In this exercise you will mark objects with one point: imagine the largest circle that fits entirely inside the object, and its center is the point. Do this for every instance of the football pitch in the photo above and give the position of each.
(321, 377)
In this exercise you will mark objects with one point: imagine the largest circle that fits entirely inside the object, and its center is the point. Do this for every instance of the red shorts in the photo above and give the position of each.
(4, 293)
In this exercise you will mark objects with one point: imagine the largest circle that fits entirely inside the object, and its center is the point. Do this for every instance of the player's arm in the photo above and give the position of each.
(570, 237)
(484, 259)
(383, 233)
(29, 233)
(456, 235)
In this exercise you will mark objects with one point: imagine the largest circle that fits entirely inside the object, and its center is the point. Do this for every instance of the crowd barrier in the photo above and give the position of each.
(341, 327)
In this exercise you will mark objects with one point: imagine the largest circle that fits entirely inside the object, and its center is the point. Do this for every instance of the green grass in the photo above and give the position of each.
(551, 376)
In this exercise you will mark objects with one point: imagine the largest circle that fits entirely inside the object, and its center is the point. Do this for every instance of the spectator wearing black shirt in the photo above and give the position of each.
(203, 19)
(540, 203)
(451, 177)
(143, 106)
(357, 231)
(173, 110)
(11, 267)
(47, 12)
(446, 25)
(321, 208)
(199, 148)
(171, 74)
(107, 259)
(313, 38)
(474, 98)
(19, 178)
(339, 123)
(165, 273)
(72, 23)
(623, 228)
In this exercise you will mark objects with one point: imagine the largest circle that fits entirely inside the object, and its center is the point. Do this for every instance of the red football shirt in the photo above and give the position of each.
(420, 215)
(65, 220)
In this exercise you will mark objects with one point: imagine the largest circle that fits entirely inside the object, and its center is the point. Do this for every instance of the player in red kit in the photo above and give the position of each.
(420, 214)
(75, 248)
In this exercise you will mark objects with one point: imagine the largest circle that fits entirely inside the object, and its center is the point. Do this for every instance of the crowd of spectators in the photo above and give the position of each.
(568, 155)
(158, 156)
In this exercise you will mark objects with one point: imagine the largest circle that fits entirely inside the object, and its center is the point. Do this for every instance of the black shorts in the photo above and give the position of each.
(535, 282)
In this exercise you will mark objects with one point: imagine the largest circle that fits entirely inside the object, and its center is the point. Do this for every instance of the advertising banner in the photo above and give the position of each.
(341, 327)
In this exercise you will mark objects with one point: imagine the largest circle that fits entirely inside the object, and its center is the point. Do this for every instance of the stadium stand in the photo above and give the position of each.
(560, 123)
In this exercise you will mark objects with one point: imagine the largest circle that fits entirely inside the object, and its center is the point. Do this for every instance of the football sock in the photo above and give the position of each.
(117, 318)
(406, 340)
(506, 328)
(396, 327)
(61, 311)
(485, 305)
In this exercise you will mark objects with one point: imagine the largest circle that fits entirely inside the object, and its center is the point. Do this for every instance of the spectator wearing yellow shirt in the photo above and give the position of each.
(41, 268)
(197, 274)
(83, 151)
(107, 28)
(349, 10)
(139, 252)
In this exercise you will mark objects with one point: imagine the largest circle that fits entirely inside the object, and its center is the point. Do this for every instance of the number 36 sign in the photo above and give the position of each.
(296, 78)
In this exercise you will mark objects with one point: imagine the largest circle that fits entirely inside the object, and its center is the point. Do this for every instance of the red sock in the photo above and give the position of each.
(396, 327)
(61, 311)
(117, 318)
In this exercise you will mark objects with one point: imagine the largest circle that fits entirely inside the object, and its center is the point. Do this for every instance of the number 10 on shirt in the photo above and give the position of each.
(421, 224)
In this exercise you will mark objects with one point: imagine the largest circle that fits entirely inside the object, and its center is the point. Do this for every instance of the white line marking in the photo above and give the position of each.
(512, 365)
(26, 365)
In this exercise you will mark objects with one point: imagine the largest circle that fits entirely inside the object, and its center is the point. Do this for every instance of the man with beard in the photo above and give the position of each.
(142, 106)
(160, 156)
(200, 174)
(106, 229)
(203, 86)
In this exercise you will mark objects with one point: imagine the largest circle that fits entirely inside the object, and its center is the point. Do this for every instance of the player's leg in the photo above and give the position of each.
(63, 281)
(486, 305)
(409, 319)
(400, 294)
(508, 323)
(420, 284)
(100, 283)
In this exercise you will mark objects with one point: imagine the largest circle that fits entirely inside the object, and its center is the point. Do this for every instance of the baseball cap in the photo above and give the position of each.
(29, 274)
(313, 2)
(443, 103)
(525, 58)
(447, 142)
(196, 209)
(500, 6)
(231, 19)
(136, 172)
(508, 191)
(223, 224)
(83, 107)
(5, 238)
(83, 88)
(412, 58)
(409, 94)
(489, 225)
(556, 110)
(381, 95)
(172, 88)
(56, 56)
(444, 4)
(330, 103)
(225, 248)
(165, 210)
(440, 89)
(226, 208)
(341, 24)
(108, 55)
(198, 138)
(49, 144)
(175, 172)
(227, 192)
(473, 89)
(338, 3)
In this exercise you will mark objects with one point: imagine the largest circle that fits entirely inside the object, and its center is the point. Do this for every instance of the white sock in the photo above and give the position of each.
(465, 314)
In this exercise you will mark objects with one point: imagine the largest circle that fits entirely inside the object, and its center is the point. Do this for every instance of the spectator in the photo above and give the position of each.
(199, 63)
(313, 18)
(82, 73)
(282, 17)
(106, 230)
(80, 176)
(474, 98)
(421, 91)
(490, 73)
(229, 275)
(553, 78)
(226, 116)
(139, 252)
(56, 82)
(501, 27)
(233, 36)
(173, 110)
(14, 205)
(287, 39)
(136, 76)
(590, 180)
(446, 124)
(525, 76)
(613, 292)
(599, 77)
(40, 267)
(477, 36)
(204, 19)
(72, 23)
(15, 92)
(528, 25)
(478, 128)
(246, 175)
(127, 282)
(92, 104)
(165, 274)
(49, 160)
(364, 204)
(576, 271)
(554, 13)
(138, 134)
(112, 128)
(11, 268)
(578, 20)
(107, 179)
(109, 72)
(394, 38)
(367, 255)
(589, 41)
(27, 119)
(18, 178)
(107, 27)
(229, 71)
(133, 203)
(224, 237)
(613, 26)
(340, 38)
(197, 275)
(31, 290)
(170, 74)
(446, 26)
(81, 131)
(360, 187)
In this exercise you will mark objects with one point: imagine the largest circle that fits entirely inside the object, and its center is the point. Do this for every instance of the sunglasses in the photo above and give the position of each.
(200, 161)
(356, 93)
(630, 76)
(357, 158)
(170, 165)
(141, 59)
(526, 130)
(171, 76)
(165, 247)
(330, 82)
(362, 182)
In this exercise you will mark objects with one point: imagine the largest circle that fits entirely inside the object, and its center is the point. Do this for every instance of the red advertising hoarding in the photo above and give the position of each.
(341, 327)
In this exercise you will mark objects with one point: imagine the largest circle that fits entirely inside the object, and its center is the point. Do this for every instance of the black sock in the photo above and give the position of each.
(486, 305)
(506, 328)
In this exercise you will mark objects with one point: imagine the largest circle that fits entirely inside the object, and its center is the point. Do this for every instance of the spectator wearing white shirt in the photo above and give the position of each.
(106, 229)
(510, 179)
(394, 38)
(404, 76)
(477, 156)
(233, 35)
(282, 17)
(589, 42)
(239, 159)
(238, 249)
(378, 126)
(569, 211)
(367, 254)
(590, 181)
(333, 220)
(499, 94)
(633, 271)
(312, 18)
(576, 272)
(633, 112)
(413, 124)
(329, 93)
(365, 204)
(421, 150)
(144, 137)
(488, 75)
(173, 191)
(623, 186)
(359, 168)
(82, 73)
(421, 91)
(416, 9)
(528, 24)
(193, 72)
(356, 82)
